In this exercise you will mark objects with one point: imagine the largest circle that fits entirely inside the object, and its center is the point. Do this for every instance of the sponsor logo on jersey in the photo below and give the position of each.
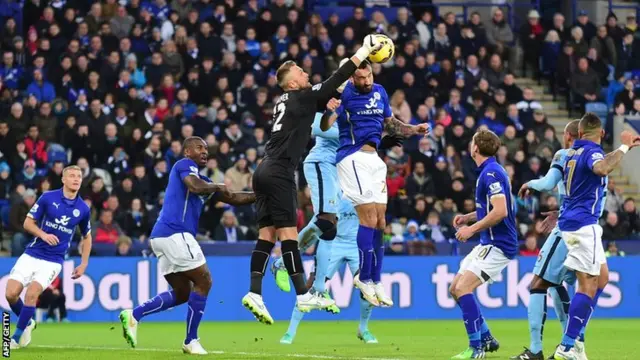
(495, 188)
(60, 224)
(56, 205)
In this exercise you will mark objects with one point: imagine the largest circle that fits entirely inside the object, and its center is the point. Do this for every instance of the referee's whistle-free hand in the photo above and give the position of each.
(50, 239)
(464, 233)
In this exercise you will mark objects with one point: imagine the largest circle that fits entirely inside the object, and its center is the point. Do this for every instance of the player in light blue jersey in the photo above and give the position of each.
(549, 271)
(52, 221)
(585, 173)
(172, 239)
(344, 250)
(363, 115)
(496, 223)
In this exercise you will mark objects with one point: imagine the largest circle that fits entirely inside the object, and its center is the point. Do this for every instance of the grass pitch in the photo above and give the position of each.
(606, 339)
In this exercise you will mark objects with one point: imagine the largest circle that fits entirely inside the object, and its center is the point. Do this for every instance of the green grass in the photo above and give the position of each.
(606, 339)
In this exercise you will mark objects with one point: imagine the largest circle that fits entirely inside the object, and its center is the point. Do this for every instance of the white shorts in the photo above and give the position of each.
(585, 251)
(28, 269)
(363, 178)
(486, 261)
(177, 253)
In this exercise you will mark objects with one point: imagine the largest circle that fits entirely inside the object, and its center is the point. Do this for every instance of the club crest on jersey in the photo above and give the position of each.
(76, 212)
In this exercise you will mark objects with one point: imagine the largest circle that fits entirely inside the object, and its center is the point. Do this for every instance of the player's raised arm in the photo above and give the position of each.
(547, 183)
(395, 126)
(328, 118)
(604, 166)
(325, 90)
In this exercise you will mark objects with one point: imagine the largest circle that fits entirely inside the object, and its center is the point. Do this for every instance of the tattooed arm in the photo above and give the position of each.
(236, 198)
(394, 126)
(608, 164)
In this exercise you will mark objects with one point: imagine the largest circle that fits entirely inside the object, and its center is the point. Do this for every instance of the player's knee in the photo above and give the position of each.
(328, 229)
(452, 292)
(12, 297)
(369, 219)
(382, 223)
(538, 284)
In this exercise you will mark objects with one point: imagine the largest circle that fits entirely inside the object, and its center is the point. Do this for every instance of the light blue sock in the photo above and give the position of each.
(296, 317)
(323, 254)
(309, 235)
(593, 307)
(279, 263)
(537, 314)
(485, 333)
(561, 302)
(365, 314)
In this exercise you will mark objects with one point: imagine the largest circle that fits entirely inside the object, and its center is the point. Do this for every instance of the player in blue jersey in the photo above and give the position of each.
(549, 271)
(172, 239)
(585, 174)
(52, 221)
(496, 223)
(344, 250)
(363, 115)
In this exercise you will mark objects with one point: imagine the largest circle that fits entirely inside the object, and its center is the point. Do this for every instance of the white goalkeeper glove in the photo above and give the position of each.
(370, 44)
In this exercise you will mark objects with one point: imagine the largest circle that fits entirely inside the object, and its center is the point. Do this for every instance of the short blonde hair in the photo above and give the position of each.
(71, 167)
(283, 71)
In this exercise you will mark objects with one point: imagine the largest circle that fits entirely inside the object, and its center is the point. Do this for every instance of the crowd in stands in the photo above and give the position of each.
(115, 86)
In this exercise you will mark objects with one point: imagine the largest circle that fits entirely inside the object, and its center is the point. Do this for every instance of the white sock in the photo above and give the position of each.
(304, 297)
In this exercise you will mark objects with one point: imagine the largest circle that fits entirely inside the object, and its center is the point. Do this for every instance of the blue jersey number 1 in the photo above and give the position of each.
(571, 165)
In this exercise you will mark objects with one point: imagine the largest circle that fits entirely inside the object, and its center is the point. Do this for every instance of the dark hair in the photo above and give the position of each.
(487, 142)
(590, 123)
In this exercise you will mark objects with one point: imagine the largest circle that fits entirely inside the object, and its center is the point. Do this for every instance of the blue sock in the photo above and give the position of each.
(365, 314)
(537, 314)
(323, 254)
(23, 320)
(196, 304)
(296, 317)
(485, 333)
(561, 302)
(378, 252)
(160, 302)
(311, 230)
(579, 313)
(365, 247)
(471, 318)
(17, 307)
(593, 307)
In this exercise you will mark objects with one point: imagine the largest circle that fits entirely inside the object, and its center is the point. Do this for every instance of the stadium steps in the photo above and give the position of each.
(558, 117)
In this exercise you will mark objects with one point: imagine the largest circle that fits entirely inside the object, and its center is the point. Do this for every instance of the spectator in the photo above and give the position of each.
(584, 83)
(578, 42)
(530, 247)
(605, 47)
(425, 30)
(526, 107)
(29, 175)
(454, 108)
(531, 35)
(40, 88)
(239, 175)
(628, 53)
(613, 30)
(52, 299)
(630, 217)
(17, 214)
(229, 229)
(612, 250)
(136, 222)
(419, 182)
(550, 52)
(106, 230)
(413, 238)
(513, 92)
(560, 27)
(586, 25)
(499, 35)
(124, 246)
(35, 147)
(599, 66)
(613, 229)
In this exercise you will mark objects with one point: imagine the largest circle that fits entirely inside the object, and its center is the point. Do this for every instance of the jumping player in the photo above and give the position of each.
(344, 250)
(172, 239)
(585, 175)
(495, 222)
(363, 115)
(52, 221)
(274, 179)
(549, 271)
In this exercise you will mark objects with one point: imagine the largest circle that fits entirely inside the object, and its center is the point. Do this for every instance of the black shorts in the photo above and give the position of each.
(276, 196)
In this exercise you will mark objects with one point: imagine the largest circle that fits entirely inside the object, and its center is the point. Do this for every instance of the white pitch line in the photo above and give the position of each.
(214, 352)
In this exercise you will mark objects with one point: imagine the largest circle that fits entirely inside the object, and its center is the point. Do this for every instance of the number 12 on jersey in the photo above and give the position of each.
(278, 113)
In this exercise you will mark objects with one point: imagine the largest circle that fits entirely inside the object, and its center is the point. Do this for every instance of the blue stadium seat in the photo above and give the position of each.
(4, 215)
(598, 108)
(56, 153)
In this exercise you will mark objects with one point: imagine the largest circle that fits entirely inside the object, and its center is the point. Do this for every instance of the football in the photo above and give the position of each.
(386, 53)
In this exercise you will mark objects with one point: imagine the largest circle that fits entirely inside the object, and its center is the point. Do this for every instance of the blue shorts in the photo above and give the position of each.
(323, 182)
(343, 252)
(550, 263)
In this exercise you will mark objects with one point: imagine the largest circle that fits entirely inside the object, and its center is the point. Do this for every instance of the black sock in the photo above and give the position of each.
(259, 260)
(293, 263)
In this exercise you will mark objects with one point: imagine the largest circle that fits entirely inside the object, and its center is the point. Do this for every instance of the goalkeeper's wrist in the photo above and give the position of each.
(624, 148)
(362, 54)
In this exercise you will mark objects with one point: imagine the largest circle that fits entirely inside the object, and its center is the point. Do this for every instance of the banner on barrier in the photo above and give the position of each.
(419, 286)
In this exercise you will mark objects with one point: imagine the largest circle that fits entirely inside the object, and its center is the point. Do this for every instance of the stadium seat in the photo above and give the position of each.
(56, 153)
(598, 108)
